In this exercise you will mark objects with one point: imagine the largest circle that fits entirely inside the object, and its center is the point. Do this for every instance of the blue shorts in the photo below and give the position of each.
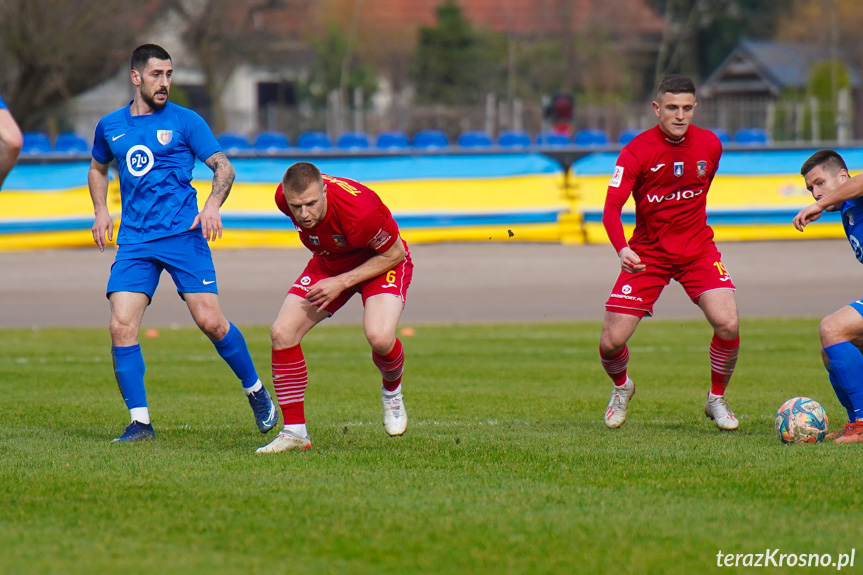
(858, 305)
(186, 256)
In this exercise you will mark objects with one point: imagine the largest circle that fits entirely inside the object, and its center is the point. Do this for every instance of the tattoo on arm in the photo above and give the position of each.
(223, 176)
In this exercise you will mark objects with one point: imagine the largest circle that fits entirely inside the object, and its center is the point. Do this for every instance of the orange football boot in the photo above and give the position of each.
(854, 433)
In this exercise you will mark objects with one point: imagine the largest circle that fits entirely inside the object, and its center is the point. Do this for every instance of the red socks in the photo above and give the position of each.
(391, 366)
(290, 379)
(615, 365)
(723, 359)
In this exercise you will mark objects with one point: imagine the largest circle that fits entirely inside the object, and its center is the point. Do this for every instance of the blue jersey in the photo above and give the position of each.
(852, 221)
(155, 156)
(2, 104)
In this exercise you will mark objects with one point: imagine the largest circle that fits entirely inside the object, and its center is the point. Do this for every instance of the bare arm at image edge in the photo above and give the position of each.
(10, 143)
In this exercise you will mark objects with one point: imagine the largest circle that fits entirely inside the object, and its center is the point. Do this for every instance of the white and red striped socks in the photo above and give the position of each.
(615, 365)
(723, 359)
(391, 366)
(290, 379)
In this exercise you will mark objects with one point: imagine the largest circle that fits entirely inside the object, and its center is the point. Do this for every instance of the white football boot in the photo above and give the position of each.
(717, 409)
(395, 415)
(286, 441)
(615, 414)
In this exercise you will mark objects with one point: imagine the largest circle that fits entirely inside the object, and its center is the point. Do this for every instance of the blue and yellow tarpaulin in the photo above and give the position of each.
(435, 198)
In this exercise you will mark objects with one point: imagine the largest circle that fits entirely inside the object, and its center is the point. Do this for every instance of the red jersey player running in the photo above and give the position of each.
(357, 249)
(668, 170)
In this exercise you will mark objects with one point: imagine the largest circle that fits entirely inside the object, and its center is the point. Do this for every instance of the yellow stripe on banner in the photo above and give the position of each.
(743, 192)
(47, 240)
(74, 202)
(510, 195)
(516, 233)
(595, 232)
(237, 239)
(488, 194)
(729, 233)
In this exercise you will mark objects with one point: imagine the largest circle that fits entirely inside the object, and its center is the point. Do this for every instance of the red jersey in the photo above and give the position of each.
(669, 181)
(356, 226)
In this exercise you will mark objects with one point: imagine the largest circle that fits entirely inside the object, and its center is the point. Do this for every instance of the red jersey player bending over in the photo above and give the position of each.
(357, 249)
(668, 170)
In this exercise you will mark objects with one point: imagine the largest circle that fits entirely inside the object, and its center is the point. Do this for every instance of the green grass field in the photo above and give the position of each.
(506, 467)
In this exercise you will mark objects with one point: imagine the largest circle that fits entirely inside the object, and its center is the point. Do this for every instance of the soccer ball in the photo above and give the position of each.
(801, 420)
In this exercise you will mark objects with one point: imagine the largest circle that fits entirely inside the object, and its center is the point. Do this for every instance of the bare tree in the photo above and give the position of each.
(52, 50)
(224, 34)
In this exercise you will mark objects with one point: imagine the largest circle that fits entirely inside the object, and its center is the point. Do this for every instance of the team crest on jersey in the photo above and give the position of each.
(340, 241)
(678, 169)
(315, 240)
(702, 168)
(164, 136)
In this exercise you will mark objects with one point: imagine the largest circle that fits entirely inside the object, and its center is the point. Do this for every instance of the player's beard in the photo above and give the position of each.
(150, 100)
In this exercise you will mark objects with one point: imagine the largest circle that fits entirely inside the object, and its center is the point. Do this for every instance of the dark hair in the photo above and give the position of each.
(300, 176)
(143, 53)
(676, 84)
(830, 159)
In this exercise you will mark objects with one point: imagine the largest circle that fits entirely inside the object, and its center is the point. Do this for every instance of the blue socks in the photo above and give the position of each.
(235, 352)
(129, 371)
(840, 393)
(846, 375)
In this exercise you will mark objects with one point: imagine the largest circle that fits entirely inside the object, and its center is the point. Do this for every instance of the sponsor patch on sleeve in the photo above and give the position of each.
(380, 239)
(616, 178)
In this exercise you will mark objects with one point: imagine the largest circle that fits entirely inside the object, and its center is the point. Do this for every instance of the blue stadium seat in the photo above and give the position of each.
(314, 141)
(71, 143)
(751, 137)
(723, 135)
(591, 137)
(36, 143)
(233, 142)
(474, 139)
(513, 139)
(353, 141)
(552, 139)
(271, 142)
(626, 136)
(393, 140)
(430, 139)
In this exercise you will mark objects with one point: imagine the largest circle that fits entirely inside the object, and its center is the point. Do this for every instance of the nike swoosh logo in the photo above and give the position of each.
(206, 283)
(115, 138)
(653, 169)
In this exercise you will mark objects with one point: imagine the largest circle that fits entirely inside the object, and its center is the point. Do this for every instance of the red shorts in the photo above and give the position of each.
(635, 294)
(395, 281)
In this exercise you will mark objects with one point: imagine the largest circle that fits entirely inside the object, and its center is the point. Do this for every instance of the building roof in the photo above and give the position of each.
(758, 67)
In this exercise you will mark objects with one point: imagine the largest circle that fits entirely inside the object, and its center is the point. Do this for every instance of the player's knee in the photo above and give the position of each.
(122, 330)
(282, 337)
(727, 331)
(830, 331)
(611, 343)
(214, 327)
(727, 327)
(381, 341)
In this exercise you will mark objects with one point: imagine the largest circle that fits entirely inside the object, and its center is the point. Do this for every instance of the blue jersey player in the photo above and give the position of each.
(155, 143)
(841, 332)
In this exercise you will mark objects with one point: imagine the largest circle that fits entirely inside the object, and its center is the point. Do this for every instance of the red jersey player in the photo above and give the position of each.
(668, 170)
(357, 249)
